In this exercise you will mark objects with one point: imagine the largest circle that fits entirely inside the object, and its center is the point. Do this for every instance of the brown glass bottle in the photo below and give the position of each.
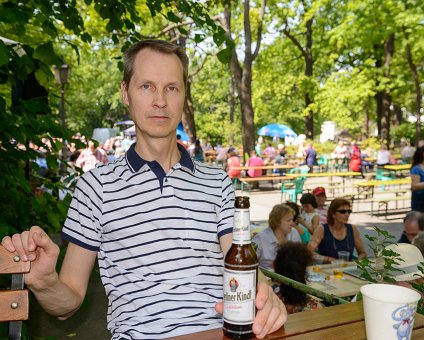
(240, 276)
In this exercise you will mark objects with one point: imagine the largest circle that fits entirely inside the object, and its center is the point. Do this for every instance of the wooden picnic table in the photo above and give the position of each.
(263, 167)
(341, 322)
(329, 175)
(245, 180)
(347, 286)
(397, 168)
(367, 187)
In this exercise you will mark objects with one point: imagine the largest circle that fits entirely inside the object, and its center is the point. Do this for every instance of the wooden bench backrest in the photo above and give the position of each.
(13, 303)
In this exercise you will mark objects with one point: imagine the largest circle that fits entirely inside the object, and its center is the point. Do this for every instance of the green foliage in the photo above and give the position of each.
(380, 268)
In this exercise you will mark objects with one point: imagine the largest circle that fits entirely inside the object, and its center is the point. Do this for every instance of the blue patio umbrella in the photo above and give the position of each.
(276, 130)
(184, 136)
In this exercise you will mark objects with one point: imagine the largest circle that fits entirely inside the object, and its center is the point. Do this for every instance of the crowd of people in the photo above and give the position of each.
(298, 236)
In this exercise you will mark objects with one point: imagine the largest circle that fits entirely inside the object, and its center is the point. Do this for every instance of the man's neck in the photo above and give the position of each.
(162, 150)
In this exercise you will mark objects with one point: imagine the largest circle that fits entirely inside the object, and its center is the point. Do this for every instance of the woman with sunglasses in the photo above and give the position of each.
(337, 235)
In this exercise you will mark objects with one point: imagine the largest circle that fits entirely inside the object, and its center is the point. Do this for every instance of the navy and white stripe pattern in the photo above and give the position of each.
(157, 238)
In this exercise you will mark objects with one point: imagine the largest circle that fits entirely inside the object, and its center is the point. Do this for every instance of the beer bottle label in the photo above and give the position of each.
(239, 296)
(241, 229)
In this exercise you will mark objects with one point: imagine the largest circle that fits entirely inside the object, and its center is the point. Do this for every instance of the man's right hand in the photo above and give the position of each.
(35, 246)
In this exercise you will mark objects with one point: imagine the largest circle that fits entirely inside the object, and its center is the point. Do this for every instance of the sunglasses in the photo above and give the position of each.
(344, 211)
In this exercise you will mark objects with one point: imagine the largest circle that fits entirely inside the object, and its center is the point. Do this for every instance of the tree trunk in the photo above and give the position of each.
(387, 99)
(232, 108)
(415, 77)
(243, 76)
(366, 124)
(188, 114)
(309, 62)
(308, 72)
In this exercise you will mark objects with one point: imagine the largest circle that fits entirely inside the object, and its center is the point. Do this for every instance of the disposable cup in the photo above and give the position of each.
(389, 311)
(343, 255)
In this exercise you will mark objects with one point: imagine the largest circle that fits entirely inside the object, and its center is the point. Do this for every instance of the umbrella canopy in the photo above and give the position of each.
(184, 137)
(125, 122)
(276, 130)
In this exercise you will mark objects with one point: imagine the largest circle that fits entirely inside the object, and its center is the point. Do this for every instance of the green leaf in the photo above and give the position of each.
(49, 28)
(172, 17)
(224, 56)
(4, 54)
(46, 54)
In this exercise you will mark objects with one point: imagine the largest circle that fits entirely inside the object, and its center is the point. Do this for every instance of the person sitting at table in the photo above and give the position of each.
(304, 233)
(337, 234)
(254, 160)
(413, 223)
(278, 232)
(291, 261)
(383, 156)
(339, 154)
(309, 218)
(321, 198)
(233, 161)
(280, 159)
(417, 180)
(269, 154)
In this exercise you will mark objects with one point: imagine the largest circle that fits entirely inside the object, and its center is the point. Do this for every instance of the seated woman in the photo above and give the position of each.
(337, 234)
(279, 231)
(291, 261)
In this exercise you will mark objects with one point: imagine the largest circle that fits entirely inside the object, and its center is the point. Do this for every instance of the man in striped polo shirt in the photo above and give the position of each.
(158, 222)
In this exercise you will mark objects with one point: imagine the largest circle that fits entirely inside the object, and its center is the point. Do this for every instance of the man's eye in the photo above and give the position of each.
(172, 88)
(145, 86)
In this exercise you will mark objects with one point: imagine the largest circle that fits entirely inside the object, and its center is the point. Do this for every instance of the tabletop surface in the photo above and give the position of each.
(327, 174)
(337, 322)
(343, 287)
(263, 167)
(405, 180)
(398, 167)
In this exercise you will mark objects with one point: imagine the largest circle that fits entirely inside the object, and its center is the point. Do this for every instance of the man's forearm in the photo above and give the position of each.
(57, 298)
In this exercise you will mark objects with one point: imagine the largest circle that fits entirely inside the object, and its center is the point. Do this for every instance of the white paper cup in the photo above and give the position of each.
(389, 311)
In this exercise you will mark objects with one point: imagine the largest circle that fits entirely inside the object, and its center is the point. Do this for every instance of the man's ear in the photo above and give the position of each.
(124, 92)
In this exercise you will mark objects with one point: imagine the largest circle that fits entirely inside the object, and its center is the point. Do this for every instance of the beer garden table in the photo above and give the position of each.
(398, 168)
(367, 187)
(329, 175)
(347, 286)
(341, 322)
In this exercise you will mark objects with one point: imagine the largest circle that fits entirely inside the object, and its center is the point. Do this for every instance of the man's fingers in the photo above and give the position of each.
(219, 307)
(8, 244)
(271, 312)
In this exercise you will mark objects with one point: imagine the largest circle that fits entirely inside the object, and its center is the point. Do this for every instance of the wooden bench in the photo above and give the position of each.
(14, 302)
(384, 202)
(247, 180)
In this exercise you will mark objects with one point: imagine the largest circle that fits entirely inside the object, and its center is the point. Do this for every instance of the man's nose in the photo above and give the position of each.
(159, 99)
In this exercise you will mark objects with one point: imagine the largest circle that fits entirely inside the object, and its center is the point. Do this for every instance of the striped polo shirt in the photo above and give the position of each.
(156, 235)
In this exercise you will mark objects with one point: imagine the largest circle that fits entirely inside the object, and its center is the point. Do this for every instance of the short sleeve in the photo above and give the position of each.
(226, 213)
(82, 225)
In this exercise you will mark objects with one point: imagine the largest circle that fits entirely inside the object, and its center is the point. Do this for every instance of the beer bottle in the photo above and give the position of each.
(240, 276)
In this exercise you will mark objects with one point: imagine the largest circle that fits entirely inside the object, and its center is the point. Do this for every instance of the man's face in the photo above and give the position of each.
(155, 94)
(411, 229)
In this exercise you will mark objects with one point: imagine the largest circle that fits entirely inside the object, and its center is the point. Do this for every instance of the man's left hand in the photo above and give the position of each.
(271, 312)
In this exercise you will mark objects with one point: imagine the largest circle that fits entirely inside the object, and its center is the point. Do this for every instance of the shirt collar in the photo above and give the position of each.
(136, 162)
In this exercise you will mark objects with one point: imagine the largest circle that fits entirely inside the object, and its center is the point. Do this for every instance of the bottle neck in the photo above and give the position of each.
(241, 229)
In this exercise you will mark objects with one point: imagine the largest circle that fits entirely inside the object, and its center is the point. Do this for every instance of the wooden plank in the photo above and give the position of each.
(10, 264)
(7, 297)
(264, 178)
